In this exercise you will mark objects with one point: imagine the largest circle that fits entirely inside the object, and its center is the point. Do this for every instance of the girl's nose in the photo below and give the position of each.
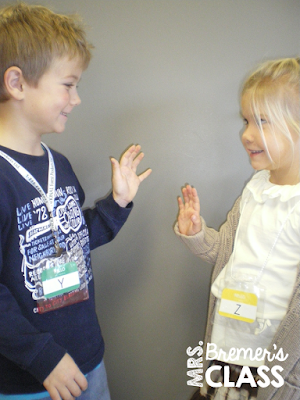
(248, 134)
(245, 137)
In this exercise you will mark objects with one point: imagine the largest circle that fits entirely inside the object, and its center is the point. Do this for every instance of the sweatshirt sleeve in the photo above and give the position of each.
(105, 220)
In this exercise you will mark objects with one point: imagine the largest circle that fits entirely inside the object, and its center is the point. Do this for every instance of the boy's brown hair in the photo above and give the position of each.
(31, 36)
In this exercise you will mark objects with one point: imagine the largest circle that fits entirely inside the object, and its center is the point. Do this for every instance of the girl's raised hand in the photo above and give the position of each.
(125, 181)
(189, 222)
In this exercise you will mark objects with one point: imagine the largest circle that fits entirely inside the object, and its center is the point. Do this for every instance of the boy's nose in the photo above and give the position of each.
(75, 99)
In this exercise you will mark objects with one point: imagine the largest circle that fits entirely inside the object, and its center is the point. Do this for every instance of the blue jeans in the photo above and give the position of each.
(97, 389)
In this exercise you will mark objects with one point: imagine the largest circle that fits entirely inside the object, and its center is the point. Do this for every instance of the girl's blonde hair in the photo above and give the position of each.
(273, 90)
(32, 36)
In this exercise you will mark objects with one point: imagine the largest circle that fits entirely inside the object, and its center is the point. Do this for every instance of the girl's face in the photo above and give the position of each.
(275, 153)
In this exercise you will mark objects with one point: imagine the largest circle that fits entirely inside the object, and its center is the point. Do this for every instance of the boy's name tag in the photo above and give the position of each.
(239, 305)
(60, 279)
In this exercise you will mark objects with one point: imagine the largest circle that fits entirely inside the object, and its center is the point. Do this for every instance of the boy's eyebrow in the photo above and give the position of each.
(74, 77)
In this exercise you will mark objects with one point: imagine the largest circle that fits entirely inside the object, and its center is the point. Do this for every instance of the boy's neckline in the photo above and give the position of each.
(22, 153)
(37, 153)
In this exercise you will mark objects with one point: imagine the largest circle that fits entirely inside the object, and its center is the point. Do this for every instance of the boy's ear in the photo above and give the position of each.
(13, 81)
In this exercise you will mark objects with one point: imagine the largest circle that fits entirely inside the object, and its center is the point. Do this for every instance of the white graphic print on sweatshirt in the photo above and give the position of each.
(36, 240)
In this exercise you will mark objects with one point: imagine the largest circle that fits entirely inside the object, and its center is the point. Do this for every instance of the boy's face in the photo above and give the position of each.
(48, 105)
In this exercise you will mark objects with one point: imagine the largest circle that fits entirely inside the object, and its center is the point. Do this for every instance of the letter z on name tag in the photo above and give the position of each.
(238, 305)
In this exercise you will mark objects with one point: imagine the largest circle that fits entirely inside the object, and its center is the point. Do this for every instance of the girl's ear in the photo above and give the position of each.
(13, 82)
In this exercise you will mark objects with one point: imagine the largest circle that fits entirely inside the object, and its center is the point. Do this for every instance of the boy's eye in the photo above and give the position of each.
(70, 85)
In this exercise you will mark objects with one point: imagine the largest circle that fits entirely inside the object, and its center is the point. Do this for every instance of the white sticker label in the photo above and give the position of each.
(238, 305)
(60, 279)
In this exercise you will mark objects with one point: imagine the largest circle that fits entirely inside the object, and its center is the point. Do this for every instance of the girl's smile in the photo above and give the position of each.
(254, 153)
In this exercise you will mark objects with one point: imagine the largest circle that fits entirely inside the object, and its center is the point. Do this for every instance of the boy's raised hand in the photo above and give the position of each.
(125, 181)
(189, 222)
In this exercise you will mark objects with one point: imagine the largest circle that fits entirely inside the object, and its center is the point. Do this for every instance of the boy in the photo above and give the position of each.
(49, 334)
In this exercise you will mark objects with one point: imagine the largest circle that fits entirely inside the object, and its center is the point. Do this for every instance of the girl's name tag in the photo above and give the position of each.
(239, 305)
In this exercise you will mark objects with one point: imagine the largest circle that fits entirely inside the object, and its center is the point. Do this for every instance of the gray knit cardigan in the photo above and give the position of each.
(215, 247)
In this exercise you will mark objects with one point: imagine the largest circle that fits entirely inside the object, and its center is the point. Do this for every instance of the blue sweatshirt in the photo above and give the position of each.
(32, 343)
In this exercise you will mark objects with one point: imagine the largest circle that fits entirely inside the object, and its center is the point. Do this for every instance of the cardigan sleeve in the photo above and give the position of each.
(208, 243)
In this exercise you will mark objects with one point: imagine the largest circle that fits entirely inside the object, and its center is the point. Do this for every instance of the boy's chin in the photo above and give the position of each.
(59, 130)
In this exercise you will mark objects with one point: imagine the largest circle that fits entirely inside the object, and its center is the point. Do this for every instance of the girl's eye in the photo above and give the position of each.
(260, 121)
(245, 121)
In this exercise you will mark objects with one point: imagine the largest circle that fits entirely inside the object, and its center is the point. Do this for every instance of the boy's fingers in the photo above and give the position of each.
(137, 160)
(145, 175)
(131, 152)
(81, 381)
(114, 163)
(76, 387)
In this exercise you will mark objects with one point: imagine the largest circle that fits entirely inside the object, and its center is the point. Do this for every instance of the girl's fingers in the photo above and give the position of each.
(185, 195)
(190, 197)
(180, 203)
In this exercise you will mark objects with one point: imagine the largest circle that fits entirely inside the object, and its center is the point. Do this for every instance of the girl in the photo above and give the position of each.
(255, 294)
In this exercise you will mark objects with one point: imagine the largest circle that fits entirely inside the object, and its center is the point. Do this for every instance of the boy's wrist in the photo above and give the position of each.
(121, 202)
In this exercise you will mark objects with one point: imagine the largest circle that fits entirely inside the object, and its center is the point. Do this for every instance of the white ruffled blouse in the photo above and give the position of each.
(267, 243)
(266, 251)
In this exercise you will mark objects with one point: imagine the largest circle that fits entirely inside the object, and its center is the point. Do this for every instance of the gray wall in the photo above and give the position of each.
(165, 74)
